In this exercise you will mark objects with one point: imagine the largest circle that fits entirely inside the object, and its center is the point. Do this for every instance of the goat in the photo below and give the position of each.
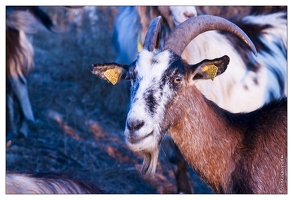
(27, 183)
(232, 152)
(20, 20)
(250, 82)
(128, 43)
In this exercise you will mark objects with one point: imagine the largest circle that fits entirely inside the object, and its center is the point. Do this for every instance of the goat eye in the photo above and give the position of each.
(177, 80)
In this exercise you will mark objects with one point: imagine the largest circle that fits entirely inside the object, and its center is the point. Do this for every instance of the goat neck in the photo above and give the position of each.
(197, 139)
(233, 153)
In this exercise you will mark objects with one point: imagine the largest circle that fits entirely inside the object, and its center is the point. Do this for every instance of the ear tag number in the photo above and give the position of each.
(112, 75)
(211, 70)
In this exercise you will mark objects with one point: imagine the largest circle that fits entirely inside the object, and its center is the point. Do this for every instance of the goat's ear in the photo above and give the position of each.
(112, 72)
(208, 69)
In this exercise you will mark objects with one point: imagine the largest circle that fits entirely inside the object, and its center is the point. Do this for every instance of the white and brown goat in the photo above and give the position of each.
(129, 43)
(247, 84)
(232, 152)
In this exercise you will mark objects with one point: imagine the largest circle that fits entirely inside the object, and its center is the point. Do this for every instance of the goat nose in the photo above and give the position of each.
(188, 15)
(134, 125)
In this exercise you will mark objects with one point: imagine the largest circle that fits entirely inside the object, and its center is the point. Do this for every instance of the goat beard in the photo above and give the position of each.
(150, 162)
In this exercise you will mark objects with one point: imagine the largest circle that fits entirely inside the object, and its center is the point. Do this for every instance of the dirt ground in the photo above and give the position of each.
(80, 118)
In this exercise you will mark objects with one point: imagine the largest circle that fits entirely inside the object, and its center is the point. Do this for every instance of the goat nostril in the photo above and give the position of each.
(138, 126)
(187, 15)
(135, 125)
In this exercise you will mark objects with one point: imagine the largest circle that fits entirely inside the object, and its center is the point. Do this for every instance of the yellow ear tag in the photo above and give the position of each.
(211, 70)
(112, 75)
(139, 46)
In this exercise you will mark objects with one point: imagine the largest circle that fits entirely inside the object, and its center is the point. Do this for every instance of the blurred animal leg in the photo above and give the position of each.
(10, 118)
(21, 93)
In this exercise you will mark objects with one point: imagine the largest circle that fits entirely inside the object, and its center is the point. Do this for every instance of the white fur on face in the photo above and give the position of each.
(150, 68)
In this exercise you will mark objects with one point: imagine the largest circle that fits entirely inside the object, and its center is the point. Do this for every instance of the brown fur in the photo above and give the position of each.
(232, 156)
(19, 51)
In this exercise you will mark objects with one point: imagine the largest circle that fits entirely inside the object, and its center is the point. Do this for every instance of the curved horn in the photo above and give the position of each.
(191, 28)
(151, 37)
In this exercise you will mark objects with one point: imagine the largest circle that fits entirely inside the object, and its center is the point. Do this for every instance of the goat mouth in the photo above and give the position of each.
(137, 140)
